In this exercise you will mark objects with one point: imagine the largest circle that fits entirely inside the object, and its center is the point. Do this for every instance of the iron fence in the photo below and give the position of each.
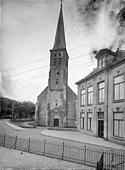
(84, 155)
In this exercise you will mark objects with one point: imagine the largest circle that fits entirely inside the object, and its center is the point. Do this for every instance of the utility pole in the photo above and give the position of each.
(48, 107)
(0, 106)
(13, 105)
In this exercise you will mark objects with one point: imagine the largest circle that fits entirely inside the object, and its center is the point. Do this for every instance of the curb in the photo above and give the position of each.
(12, 126)
(62, 129)
(22, 126)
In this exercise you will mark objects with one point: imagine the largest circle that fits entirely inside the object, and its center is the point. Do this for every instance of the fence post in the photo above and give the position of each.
(44, 146)
(112, 158)
(85, 156)
(63, 151)
(4, 140)
(15, 142)
(29, 145)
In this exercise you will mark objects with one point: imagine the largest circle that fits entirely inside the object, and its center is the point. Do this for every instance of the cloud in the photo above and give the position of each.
(5, 84)
(89, 13)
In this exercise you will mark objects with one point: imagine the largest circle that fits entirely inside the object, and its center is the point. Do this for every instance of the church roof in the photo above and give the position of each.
(59, 42)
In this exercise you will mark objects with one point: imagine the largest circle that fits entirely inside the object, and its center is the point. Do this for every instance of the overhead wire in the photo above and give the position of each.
(23, 64)
(40, 75)
(39, 68)
(69, 50)
(92, 42)
(42, 68)
(40, 60)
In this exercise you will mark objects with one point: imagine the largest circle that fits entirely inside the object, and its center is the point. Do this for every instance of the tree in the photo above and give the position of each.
(23, 109)
(32, 113)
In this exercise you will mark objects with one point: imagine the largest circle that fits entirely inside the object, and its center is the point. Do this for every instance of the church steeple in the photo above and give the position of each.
(58, 76)
(56, 103)
(59, 42)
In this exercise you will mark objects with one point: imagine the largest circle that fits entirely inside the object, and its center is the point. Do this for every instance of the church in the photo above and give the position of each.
(56, 104)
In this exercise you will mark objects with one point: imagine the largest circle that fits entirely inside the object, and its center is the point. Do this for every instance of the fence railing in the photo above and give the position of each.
(84, 155)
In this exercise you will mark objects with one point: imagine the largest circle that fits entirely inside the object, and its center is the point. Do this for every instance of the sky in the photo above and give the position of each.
(28, 30)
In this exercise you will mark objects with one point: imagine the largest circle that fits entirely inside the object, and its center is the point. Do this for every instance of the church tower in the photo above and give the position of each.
(58, 75)
(58, 78)
(56, 104)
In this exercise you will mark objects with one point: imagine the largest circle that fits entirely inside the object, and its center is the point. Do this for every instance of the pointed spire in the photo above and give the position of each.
(60, 32)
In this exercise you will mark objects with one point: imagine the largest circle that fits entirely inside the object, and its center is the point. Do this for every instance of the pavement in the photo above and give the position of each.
(81, 137)
(14, 126)
(28, 125)
(13, 160)
(75, 136)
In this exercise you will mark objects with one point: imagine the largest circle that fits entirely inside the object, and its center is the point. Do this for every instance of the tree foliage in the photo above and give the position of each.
(20, 109)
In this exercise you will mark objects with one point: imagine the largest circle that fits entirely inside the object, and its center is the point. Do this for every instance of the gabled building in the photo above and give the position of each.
(101, 98)
(56, 105)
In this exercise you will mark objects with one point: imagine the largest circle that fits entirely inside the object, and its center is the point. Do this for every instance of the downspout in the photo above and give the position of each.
(107, 98)
(66, 105)
(38, 113)
(67, 96)
(48, 112)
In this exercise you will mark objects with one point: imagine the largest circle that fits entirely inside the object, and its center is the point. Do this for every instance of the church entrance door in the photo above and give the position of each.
(56, 122)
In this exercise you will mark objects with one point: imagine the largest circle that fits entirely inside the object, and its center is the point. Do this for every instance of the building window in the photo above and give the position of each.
(118, 124)
(90, 95)
(101, 92)
(56, 81)
(82, 97)
(89, 121)
(82, 120)
(101, 62)
(119, 87)
(59, 60)
(54, 60)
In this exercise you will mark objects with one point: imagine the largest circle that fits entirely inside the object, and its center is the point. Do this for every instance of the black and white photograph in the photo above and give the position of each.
(62, 84)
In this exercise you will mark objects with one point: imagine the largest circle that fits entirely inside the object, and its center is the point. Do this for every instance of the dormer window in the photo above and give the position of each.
(101, 62)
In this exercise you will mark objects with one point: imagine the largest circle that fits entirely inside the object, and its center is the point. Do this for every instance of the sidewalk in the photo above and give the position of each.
(28, 125)
(21, 126)
(14, 126)
(13, 160)
(81, 137)
(75, 136)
